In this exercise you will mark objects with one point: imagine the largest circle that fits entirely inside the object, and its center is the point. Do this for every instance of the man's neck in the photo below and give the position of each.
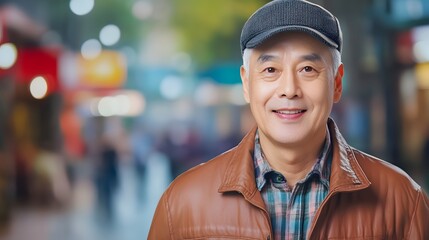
(294, 162)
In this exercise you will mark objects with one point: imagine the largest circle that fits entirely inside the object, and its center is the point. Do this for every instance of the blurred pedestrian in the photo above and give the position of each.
(107, 179)
(293, 176)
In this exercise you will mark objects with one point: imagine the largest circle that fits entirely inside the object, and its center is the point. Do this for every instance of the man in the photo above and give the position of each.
(293, 176)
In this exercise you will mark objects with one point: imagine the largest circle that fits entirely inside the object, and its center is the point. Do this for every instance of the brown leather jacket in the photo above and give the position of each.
(368, 199)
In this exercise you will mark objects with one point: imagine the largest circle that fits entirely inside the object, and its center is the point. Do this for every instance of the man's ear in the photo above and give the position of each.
(338, 83)
(245, 81)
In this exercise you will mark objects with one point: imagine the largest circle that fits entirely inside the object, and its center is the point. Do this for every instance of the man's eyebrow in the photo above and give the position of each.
(265, 58)
(313, 57)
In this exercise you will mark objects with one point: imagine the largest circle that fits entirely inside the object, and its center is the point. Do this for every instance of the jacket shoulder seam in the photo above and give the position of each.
(419, 197)
(170, 224)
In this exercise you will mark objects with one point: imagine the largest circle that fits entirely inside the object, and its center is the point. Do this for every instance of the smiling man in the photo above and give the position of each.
(291, 84)
(293, 176)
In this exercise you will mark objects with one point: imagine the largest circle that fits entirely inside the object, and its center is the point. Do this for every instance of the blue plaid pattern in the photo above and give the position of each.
(292, 210)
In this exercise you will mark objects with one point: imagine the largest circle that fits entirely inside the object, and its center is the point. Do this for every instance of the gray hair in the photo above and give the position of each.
(336, 59)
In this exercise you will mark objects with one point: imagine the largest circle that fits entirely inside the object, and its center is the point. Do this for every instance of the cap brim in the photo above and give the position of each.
(262, 37)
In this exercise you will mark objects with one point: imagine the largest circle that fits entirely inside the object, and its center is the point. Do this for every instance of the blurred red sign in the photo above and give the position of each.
(34, 62)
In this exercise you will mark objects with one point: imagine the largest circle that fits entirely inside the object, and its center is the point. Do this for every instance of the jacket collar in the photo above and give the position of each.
(346, 173)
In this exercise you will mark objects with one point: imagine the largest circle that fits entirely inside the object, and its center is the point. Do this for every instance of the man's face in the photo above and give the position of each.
(291, 87)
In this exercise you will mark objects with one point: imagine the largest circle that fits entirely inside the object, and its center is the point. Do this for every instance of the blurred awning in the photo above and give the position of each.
(17, 21)
(19, 29)
(402, 14)
(223, 73)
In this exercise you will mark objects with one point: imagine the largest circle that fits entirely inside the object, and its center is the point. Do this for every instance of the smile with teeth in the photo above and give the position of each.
(289, 112)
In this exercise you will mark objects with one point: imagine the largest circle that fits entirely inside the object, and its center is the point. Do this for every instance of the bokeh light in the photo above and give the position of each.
(420, 36)
(81, 7)
(171, 87)
(38, 87)
(108, 106)
(91, 49)
(110, 35)
(8, 55)
(421, 51)
(125, 103)
(142, 10)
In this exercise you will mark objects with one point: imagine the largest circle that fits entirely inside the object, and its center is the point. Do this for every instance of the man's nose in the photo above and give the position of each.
(289, 86)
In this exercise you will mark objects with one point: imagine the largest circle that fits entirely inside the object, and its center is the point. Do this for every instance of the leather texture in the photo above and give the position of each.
(368, 199)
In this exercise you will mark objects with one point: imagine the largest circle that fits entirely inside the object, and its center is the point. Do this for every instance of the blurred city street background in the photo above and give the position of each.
(104, 102)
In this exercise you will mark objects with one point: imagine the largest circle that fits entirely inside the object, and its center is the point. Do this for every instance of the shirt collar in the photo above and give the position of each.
(322, 167)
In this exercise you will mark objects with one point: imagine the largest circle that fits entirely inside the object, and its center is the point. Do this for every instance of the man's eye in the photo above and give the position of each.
(308, 69)
(270, 70)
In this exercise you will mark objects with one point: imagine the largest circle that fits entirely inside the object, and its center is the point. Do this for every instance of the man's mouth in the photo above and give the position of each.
(290, 112)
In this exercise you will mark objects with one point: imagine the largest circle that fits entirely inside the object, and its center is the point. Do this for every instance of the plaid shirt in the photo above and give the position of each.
(292, 210)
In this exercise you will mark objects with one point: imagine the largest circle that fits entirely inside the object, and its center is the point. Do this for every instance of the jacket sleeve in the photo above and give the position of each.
(419, 228)
(160, 227)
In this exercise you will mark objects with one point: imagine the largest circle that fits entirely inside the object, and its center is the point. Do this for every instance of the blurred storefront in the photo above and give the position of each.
(384, 109)
(414, 89)
(16, 32)
(43, 83)
(403, 40)
(30, 104)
